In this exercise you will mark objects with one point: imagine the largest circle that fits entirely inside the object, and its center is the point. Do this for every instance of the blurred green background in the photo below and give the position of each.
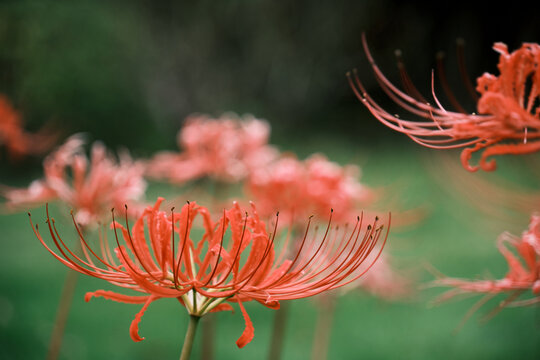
(128, 73)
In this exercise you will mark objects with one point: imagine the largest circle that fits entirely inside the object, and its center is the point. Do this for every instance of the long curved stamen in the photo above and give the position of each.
(446, 87)
(269, 246)
(173, 267)
(234, 262)
(219, 253)
(79, 232)
(134, 246)
(121, 249)
(185, 239)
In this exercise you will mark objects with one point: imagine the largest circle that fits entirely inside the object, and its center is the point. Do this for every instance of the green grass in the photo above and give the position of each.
(454, 237)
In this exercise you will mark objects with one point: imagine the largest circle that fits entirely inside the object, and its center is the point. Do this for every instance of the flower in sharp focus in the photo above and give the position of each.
(508, 119)
(226, 149)
(206, 274)
(16, 140)
(303, 188)
(523, 274)
(91, 186)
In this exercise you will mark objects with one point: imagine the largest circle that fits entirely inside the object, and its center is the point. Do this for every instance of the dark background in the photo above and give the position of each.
(129, 72)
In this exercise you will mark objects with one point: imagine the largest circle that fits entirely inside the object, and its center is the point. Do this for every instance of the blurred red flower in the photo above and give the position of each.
(91, 186)
(225, 149)
(299, 189)
(16, 140)
(523, 274)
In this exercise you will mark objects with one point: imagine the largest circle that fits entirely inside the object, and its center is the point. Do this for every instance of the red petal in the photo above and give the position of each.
(222, 307)
(109, 295)
(134, 328)
(249, 331)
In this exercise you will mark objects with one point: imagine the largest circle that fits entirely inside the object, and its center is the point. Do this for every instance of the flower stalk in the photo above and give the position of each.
(190, 337)
(62, 314)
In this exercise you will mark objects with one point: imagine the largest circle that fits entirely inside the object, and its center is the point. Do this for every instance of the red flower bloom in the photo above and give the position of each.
(226, 149)
(303, 188)
(523, 274)
(204, 275)
(509, 120)
(92, 190)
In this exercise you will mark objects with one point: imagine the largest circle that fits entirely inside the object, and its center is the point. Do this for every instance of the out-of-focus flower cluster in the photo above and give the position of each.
(90, 186)
(228, 149)
(299, 189)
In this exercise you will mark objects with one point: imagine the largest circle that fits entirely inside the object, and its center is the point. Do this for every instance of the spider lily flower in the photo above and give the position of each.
(508, 119)
(302, 188)
(18, 142)
(523, 274)
(95, 184)
(225, 149)
(208, 274)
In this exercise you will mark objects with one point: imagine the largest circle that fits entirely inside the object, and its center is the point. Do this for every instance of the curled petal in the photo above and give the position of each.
(109, 295)
(222, 307)
(134, 328)
(249, 331)
(270, 303)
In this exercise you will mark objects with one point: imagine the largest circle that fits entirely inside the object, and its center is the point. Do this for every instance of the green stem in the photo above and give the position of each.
(64, 305)
(323, 328)
(207, 343)
(278, 332)
(190, 336)
(62, 314)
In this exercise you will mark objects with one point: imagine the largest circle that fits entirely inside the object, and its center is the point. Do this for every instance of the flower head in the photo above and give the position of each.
(17, 141)
(523, 274)
(226, 149)
(91, 186)
(303, 188)
(508, 107)
(206, 274)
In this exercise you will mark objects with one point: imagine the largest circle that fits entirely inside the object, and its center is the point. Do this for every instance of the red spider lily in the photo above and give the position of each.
(169, 264)
(509, 120)
(94, 186)
(18, 142)
(226, 149)
(523, 274)
(301, 188)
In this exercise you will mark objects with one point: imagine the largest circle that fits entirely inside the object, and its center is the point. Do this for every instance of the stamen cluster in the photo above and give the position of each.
(235, 260)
